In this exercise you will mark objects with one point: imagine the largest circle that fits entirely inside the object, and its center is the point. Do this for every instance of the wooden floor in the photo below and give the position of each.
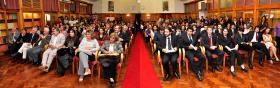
(259, 77)
(16, 75)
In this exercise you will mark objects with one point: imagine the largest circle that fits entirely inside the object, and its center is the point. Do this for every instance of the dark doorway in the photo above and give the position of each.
(137, 22)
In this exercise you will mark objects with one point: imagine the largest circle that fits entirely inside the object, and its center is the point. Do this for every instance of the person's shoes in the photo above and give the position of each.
(166, 76)
(17, 55)
(112, 82)
(41, 67)
(270, 61)
(81, 79)
(277, 60)
(218, 69)
(36, 63)
(233, 73)
(24, 61)
(199, 76)
(46, 69)
(176, 75)
(251, 66)
(87, 72)
(261, 64)
(14, 55)
(244, 70)
(213, 69)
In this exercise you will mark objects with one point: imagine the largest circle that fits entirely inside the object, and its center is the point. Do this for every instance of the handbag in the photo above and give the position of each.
(62, 51)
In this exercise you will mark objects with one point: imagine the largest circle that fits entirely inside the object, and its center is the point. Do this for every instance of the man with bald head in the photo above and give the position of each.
(43, 40)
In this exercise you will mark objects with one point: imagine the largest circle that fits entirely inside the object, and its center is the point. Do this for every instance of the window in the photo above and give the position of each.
(275, 1)
(249, 2)
(225, 3)
(216, 4)
(240, 3)
(265, 1)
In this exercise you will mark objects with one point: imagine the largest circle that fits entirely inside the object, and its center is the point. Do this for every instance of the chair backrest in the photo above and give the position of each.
(220, 47)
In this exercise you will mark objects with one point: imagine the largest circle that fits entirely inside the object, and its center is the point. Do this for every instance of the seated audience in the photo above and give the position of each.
(44, 39)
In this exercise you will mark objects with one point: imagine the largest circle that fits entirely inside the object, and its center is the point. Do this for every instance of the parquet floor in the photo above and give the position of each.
(259, 77)
(17, 75)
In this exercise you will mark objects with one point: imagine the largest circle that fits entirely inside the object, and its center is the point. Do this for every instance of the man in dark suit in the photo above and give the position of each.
(189, 42)
(239, 38)
(108, 29)
(210, 42)
(232, 31)
(169, 48)
(158, 35)
(196, 32)
(125, 36)
(255, 37)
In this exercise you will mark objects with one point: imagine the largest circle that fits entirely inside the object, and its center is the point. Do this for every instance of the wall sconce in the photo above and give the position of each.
(148, 15)
(127, 15)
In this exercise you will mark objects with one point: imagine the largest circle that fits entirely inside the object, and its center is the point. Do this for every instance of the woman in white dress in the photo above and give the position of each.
(267, 39)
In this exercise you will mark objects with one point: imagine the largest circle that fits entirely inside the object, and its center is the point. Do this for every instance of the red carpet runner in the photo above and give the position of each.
(140, 71)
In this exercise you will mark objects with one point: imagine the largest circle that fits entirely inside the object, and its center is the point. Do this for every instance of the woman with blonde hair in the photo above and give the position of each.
(87, 49)
(110, 57)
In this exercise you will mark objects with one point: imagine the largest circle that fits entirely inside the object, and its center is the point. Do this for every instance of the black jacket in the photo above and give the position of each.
(34, 39)
(125, 36)
(205, 41)
(24, 39)
(162, 42)
(250, 36)
(227, 41)
(239, 38)
(186, 41)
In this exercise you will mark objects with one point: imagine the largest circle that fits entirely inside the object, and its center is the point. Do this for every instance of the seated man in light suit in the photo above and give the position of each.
(56, 42)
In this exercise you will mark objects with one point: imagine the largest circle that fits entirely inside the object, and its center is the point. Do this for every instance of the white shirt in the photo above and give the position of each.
(254, 38)
(55, 39)
(111, 48)
(172, 50)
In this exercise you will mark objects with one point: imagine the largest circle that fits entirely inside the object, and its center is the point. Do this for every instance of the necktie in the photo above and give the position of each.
(190, 39)
(32, 37)
(257, 36)
(210, 39)
(169, 43)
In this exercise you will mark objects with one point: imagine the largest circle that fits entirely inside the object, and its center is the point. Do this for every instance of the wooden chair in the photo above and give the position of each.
(152, 44)
(131, 39)
(214, 56)
(119, 66)
(187, 61)
(178, 61)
